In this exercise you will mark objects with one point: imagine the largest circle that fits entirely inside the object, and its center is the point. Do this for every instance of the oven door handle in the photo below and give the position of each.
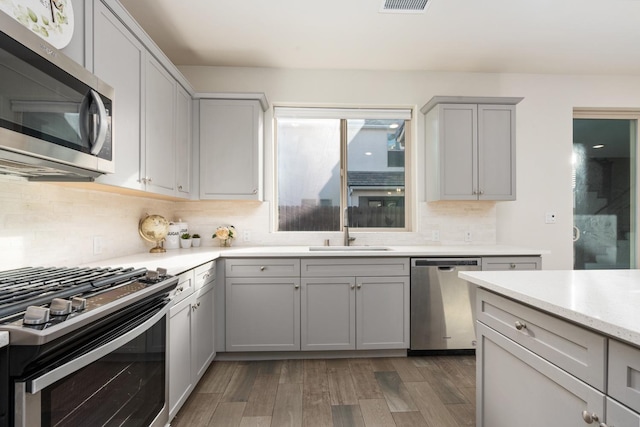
(37, 384)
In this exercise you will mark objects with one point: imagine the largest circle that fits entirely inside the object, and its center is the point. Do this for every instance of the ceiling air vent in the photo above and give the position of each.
(404, 6)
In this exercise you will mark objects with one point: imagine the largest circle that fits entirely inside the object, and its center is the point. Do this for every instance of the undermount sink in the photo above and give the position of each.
(348, 248)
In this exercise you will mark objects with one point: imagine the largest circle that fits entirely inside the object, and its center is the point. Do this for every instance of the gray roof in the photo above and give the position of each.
(375, 179)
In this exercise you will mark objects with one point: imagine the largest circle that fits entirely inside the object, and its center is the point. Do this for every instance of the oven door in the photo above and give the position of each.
(121, 380)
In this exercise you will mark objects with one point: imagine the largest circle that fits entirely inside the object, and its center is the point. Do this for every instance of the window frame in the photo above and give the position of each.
(350, 113)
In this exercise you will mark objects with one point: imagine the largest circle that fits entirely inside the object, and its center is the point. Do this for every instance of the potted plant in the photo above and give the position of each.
(195, 240)
(185, 241)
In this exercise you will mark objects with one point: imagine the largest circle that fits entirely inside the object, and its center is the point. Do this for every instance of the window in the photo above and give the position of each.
(337, 166)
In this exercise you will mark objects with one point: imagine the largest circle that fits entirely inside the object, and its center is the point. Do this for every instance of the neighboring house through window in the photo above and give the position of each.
(334, 160)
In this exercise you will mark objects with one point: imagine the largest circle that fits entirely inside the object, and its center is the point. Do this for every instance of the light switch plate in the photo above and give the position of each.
(550, 218)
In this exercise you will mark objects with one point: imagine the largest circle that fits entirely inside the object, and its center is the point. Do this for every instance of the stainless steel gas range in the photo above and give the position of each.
(87, 346)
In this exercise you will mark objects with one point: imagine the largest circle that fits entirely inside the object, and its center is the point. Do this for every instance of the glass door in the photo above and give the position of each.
(604, 191)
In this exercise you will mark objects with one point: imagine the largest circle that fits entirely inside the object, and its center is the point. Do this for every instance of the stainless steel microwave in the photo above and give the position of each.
(55, 116)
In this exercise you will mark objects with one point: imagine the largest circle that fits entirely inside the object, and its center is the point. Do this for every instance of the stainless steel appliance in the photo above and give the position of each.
(442, 305)
(87, 346)
(55, 116)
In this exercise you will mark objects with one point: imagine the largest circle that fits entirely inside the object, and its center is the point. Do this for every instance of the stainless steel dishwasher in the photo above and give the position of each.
(442, 304)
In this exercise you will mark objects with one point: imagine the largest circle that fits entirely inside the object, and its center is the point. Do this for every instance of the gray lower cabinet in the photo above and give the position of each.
(518, 388)
(355, 312)
(536, 369)
(191, 333)
(262, 313)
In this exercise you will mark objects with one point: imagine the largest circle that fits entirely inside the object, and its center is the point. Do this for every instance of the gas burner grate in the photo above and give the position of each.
(23, 287)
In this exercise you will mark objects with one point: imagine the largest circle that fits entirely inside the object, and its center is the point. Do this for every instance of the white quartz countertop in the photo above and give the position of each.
(4, 339)
(604, 300)
(177, 261)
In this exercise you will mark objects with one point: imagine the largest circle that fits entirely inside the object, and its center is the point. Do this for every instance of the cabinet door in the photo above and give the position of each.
(183, 142)
(518, 388)
(328, 314)
(230, 149)
(458, 151)
(180, 360)
(496, 152)
(262, 314)
(203, 345)
(382, 312)
(159, 147)
(118, 59)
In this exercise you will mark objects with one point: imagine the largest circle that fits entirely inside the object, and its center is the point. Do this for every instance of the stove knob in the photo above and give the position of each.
(151, 276)
(60, 307)
(78, 304)
(36, 315)
(162, 272)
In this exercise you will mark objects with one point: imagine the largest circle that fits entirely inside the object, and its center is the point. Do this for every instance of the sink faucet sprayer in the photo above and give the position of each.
(347, 239)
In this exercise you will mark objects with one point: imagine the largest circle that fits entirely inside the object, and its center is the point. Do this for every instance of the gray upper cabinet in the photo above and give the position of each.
(231, 149)
(160, 149)
(470, 148)
(183, 141)
(124, 73)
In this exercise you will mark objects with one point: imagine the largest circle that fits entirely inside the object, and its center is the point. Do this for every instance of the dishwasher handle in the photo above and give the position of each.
(443, 263)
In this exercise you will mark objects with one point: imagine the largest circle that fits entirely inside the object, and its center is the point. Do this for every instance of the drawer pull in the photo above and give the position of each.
(520, 325)
(589, 417)
(512, 266)
(353, 286)
(262, 268)
(359, 285)
(179, 289)
(296, 286)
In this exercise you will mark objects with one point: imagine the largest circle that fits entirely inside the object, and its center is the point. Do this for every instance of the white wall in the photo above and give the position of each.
(47, 224)
(544, 134)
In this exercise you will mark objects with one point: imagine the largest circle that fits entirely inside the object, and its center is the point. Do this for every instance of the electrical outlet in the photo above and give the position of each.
(468, 236)
(435, 235)
(246, 235)
(550, 218)
(98, 245)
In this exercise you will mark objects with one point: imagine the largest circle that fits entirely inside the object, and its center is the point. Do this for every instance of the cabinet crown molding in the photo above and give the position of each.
(259, 96)
(488, 100)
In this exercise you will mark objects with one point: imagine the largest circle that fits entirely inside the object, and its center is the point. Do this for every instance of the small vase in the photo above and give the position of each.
(195, 242)
(225, 243)
(185, 243)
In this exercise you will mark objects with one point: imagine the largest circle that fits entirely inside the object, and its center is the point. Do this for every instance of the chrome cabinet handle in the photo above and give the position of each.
(359, 285)
(180, 187)
(520, 325)
(512, 266)
(255, 191)
(179, 289)
(353, 286)
(296, 286)
(262, 268)
(589, 417)
(481, 192)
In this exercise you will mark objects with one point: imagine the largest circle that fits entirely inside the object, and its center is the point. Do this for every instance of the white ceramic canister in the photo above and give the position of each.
(172, 241)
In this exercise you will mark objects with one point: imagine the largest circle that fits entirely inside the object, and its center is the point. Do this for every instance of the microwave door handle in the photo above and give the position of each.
(102, 125)
(95, 139)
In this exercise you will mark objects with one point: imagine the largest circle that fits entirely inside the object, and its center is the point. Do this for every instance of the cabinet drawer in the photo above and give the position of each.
(204, 274)
(262, 267)
(574, 349)
(184, 288)
(511, 263)
(341, 267)
(624, 374)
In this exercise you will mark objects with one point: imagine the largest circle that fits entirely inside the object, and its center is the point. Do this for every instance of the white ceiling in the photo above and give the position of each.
(541, 36)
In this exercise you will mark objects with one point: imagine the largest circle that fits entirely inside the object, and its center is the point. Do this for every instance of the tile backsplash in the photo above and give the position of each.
(50, 224)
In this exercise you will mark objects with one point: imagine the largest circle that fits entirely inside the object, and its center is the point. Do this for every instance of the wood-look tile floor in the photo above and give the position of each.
(434, 391)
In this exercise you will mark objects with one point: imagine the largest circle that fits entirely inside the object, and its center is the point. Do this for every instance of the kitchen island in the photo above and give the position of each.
(563, 344)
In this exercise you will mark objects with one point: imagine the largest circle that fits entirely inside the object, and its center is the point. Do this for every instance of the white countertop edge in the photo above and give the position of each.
(620, 324)
(177, 261)
(4, 338)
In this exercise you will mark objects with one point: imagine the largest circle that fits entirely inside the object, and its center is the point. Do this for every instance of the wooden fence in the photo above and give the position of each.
(327, 218)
